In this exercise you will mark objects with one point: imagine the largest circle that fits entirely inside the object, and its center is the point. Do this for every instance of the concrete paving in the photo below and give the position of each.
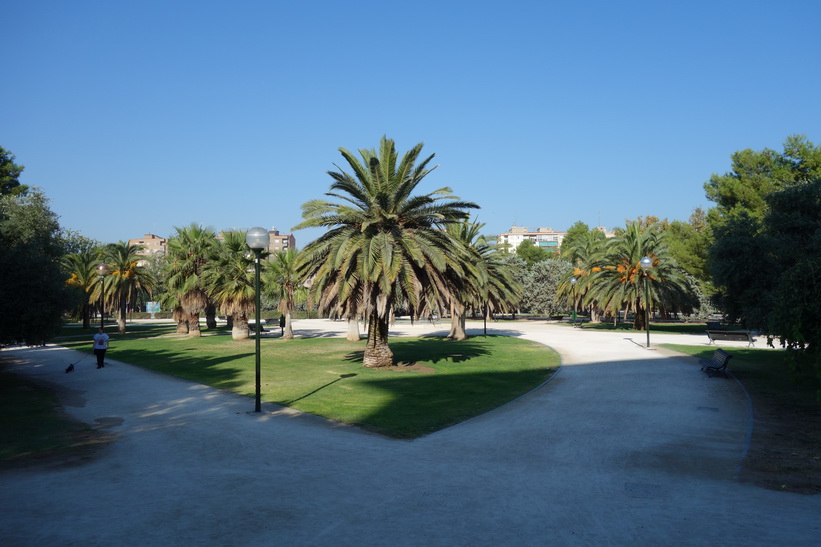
(624, 446)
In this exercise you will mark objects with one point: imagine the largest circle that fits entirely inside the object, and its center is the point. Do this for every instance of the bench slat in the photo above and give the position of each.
(718, 363)
(732, 335)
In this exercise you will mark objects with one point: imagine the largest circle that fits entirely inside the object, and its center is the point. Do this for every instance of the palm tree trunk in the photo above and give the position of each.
(121, 317)
(194, 325)
(638, 322)
(353, 330)
(288, 333)
(211, 316)
(182, 320)
(457, 322)
(239, 329)
(86, 313)
(377, 352)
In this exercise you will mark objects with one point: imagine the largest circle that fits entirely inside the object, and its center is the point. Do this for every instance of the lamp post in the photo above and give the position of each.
(646, 263)
(573, 296)
(257, 240)
(102, 271)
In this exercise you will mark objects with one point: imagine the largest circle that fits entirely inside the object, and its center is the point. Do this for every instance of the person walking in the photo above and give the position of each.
(100, 345)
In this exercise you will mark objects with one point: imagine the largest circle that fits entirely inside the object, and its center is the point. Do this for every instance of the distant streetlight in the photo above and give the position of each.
(647, 263)
(257, 240)
(573, 295)
(102, 271)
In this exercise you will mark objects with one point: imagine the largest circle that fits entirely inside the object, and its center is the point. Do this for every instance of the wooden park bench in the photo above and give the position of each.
(718, 363)
(733, 335)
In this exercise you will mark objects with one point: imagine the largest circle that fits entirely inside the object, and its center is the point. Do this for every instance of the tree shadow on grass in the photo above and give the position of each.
(316, 333)
(209, 370)
(429, 349)
(427, 403)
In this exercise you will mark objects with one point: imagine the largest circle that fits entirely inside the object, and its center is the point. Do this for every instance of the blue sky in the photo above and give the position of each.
(136, 117)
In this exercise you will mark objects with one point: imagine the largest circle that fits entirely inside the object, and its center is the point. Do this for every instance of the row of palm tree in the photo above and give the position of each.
(200, 274)
(386, 248)
(608, 278)
(125, 283)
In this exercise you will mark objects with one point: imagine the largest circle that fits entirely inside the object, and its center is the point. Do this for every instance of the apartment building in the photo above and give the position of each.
(546, 238)
(151, 244)
(280, 242)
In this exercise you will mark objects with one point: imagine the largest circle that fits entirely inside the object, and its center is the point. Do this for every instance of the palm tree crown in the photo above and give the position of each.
(384, 245)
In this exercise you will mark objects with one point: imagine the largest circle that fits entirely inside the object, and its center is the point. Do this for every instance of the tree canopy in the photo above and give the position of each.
(751, 225)
(10, 175)
(32, 283)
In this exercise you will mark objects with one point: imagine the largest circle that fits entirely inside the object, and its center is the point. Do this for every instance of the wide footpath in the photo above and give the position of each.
(624, 446)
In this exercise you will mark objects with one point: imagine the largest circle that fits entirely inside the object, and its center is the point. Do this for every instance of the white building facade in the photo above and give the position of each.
(546, 238)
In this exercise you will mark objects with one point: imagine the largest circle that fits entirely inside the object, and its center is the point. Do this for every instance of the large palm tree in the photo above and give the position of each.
(127, 280)
(283, 284)
(189, 250)
(385, 245)
(229, 277)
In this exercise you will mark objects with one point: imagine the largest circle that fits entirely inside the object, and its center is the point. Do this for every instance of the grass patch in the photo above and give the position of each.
(72, 334)
(437, 382)
(785, 453)
(33, 428)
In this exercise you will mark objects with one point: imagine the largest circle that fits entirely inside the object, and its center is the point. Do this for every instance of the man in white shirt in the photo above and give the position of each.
(100, 345)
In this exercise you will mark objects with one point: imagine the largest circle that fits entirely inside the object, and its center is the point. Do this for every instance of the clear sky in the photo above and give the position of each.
(136, 117)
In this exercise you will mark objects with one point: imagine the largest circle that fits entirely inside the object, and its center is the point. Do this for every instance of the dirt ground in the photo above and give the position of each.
(785, 452)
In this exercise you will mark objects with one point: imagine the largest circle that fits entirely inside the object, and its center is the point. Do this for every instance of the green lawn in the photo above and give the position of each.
(437, 382)
(31, 424)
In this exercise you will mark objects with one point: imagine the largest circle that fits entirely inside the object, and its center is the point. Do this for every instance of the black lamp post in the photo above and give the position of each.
(257, 240)
(573, 296)
(102, 271)
(647, 263)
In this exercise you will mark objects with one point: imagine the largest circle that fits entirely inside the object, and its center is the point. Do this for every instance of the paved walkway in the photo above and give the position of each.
(625, 446)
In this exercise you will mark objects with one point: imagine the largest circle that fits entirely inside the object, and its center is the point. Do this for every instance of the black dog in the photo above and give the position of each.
(70, 368)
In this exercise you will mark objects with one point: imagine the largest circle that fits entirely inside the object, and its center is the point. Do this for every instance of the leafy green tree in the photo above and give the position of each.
(10, 175)
(127, 282)
(189, 251)
(385, 245)
(756, 174)
(75, 243)
(574, 239)
(793, 226)
(689, 243)
(530, 253)
(540, 294)
(740, 261)
(33, 292)
(744, 258)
